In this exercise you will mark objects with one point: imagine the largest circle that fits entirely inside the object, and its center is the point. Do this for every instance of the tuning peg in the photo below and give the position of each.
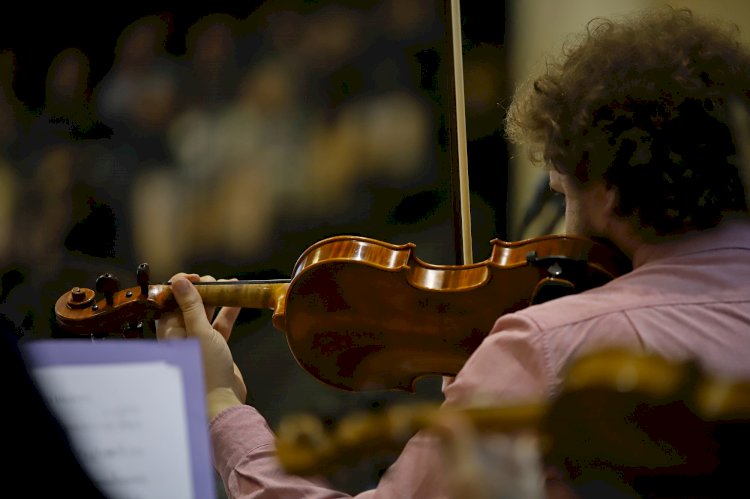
(143, 276)
(79, 298)
(109, 285)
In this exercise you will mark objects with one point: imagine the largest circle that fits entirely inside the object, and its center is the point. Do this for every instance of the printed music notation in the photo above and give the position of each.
(130, 414)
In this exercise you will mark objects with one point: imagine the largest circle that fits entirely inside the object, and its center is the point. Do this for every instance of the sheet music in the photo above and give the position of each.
(127, 423)
(149, 390)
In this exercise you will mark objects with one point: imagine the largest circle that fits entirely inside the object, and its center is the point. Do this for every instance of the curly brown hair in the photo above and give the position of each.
(644, 104)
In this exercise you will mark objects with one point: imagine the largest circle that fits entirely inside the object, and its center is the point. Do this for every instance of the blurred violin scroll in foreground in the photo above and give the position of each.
(638, 422)
(361, 314)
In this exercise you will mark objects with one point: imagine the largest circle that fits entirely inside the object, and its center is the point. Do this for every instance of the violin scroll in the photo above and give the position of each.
(118, 313)
(649, 419)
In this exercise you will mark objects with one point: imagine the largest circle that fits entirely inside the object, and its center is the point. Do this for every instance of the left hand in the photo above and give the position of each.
(223, 378)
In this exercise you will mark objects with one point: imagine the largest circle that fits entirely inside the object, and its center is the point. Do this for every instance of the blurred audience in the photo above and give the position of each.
(293, 119)
(273, 123)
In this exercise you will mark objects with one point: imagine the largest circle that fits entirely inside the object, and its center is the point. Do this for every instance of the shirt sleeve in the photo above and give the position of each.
(511, 366)
(508, 365)
(245, 458)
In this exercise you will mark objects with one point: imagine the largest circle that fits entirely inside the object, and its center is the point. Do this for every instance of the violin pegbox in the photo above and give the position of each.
(120, 312)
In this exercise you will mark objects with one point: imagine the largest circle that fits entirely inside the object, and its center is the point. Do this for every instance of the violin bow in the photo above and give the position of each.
(458, 140)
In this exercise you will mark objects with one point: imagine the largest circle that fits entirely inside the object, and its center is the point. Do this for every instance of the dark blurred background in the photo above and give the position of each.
(225, 139)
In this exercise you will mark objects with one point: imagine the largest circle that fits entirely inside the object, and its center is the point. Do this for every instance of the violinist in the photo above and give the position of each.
(637, 124)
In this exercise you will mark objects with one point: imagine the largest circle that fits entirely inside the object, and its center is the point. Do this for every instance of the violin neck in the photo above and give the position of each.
(245, 294)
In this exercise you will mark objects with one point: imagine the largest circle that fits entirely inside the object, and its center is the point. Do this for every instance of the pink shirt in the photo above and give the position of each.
(683, 300)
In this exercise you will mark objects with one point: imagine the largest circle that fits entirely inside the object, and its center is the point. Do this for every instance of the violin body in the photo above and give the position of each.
(361, 314)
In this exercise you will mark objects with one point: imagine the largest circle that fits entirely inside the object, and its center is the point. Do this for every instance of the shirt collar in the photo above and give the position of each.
(731, 233)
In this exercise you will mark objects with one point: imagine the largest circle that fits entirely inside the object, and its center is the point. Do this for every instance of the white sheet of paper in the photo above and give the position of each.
(127, 422)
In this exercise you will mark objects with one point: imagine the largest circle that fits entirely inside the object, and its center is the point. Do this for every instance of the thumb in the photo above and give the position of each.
(191, 304)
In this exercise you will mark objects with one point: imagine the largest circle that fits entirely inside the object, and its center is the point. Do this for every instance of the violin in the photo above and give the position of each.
(360, 314)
